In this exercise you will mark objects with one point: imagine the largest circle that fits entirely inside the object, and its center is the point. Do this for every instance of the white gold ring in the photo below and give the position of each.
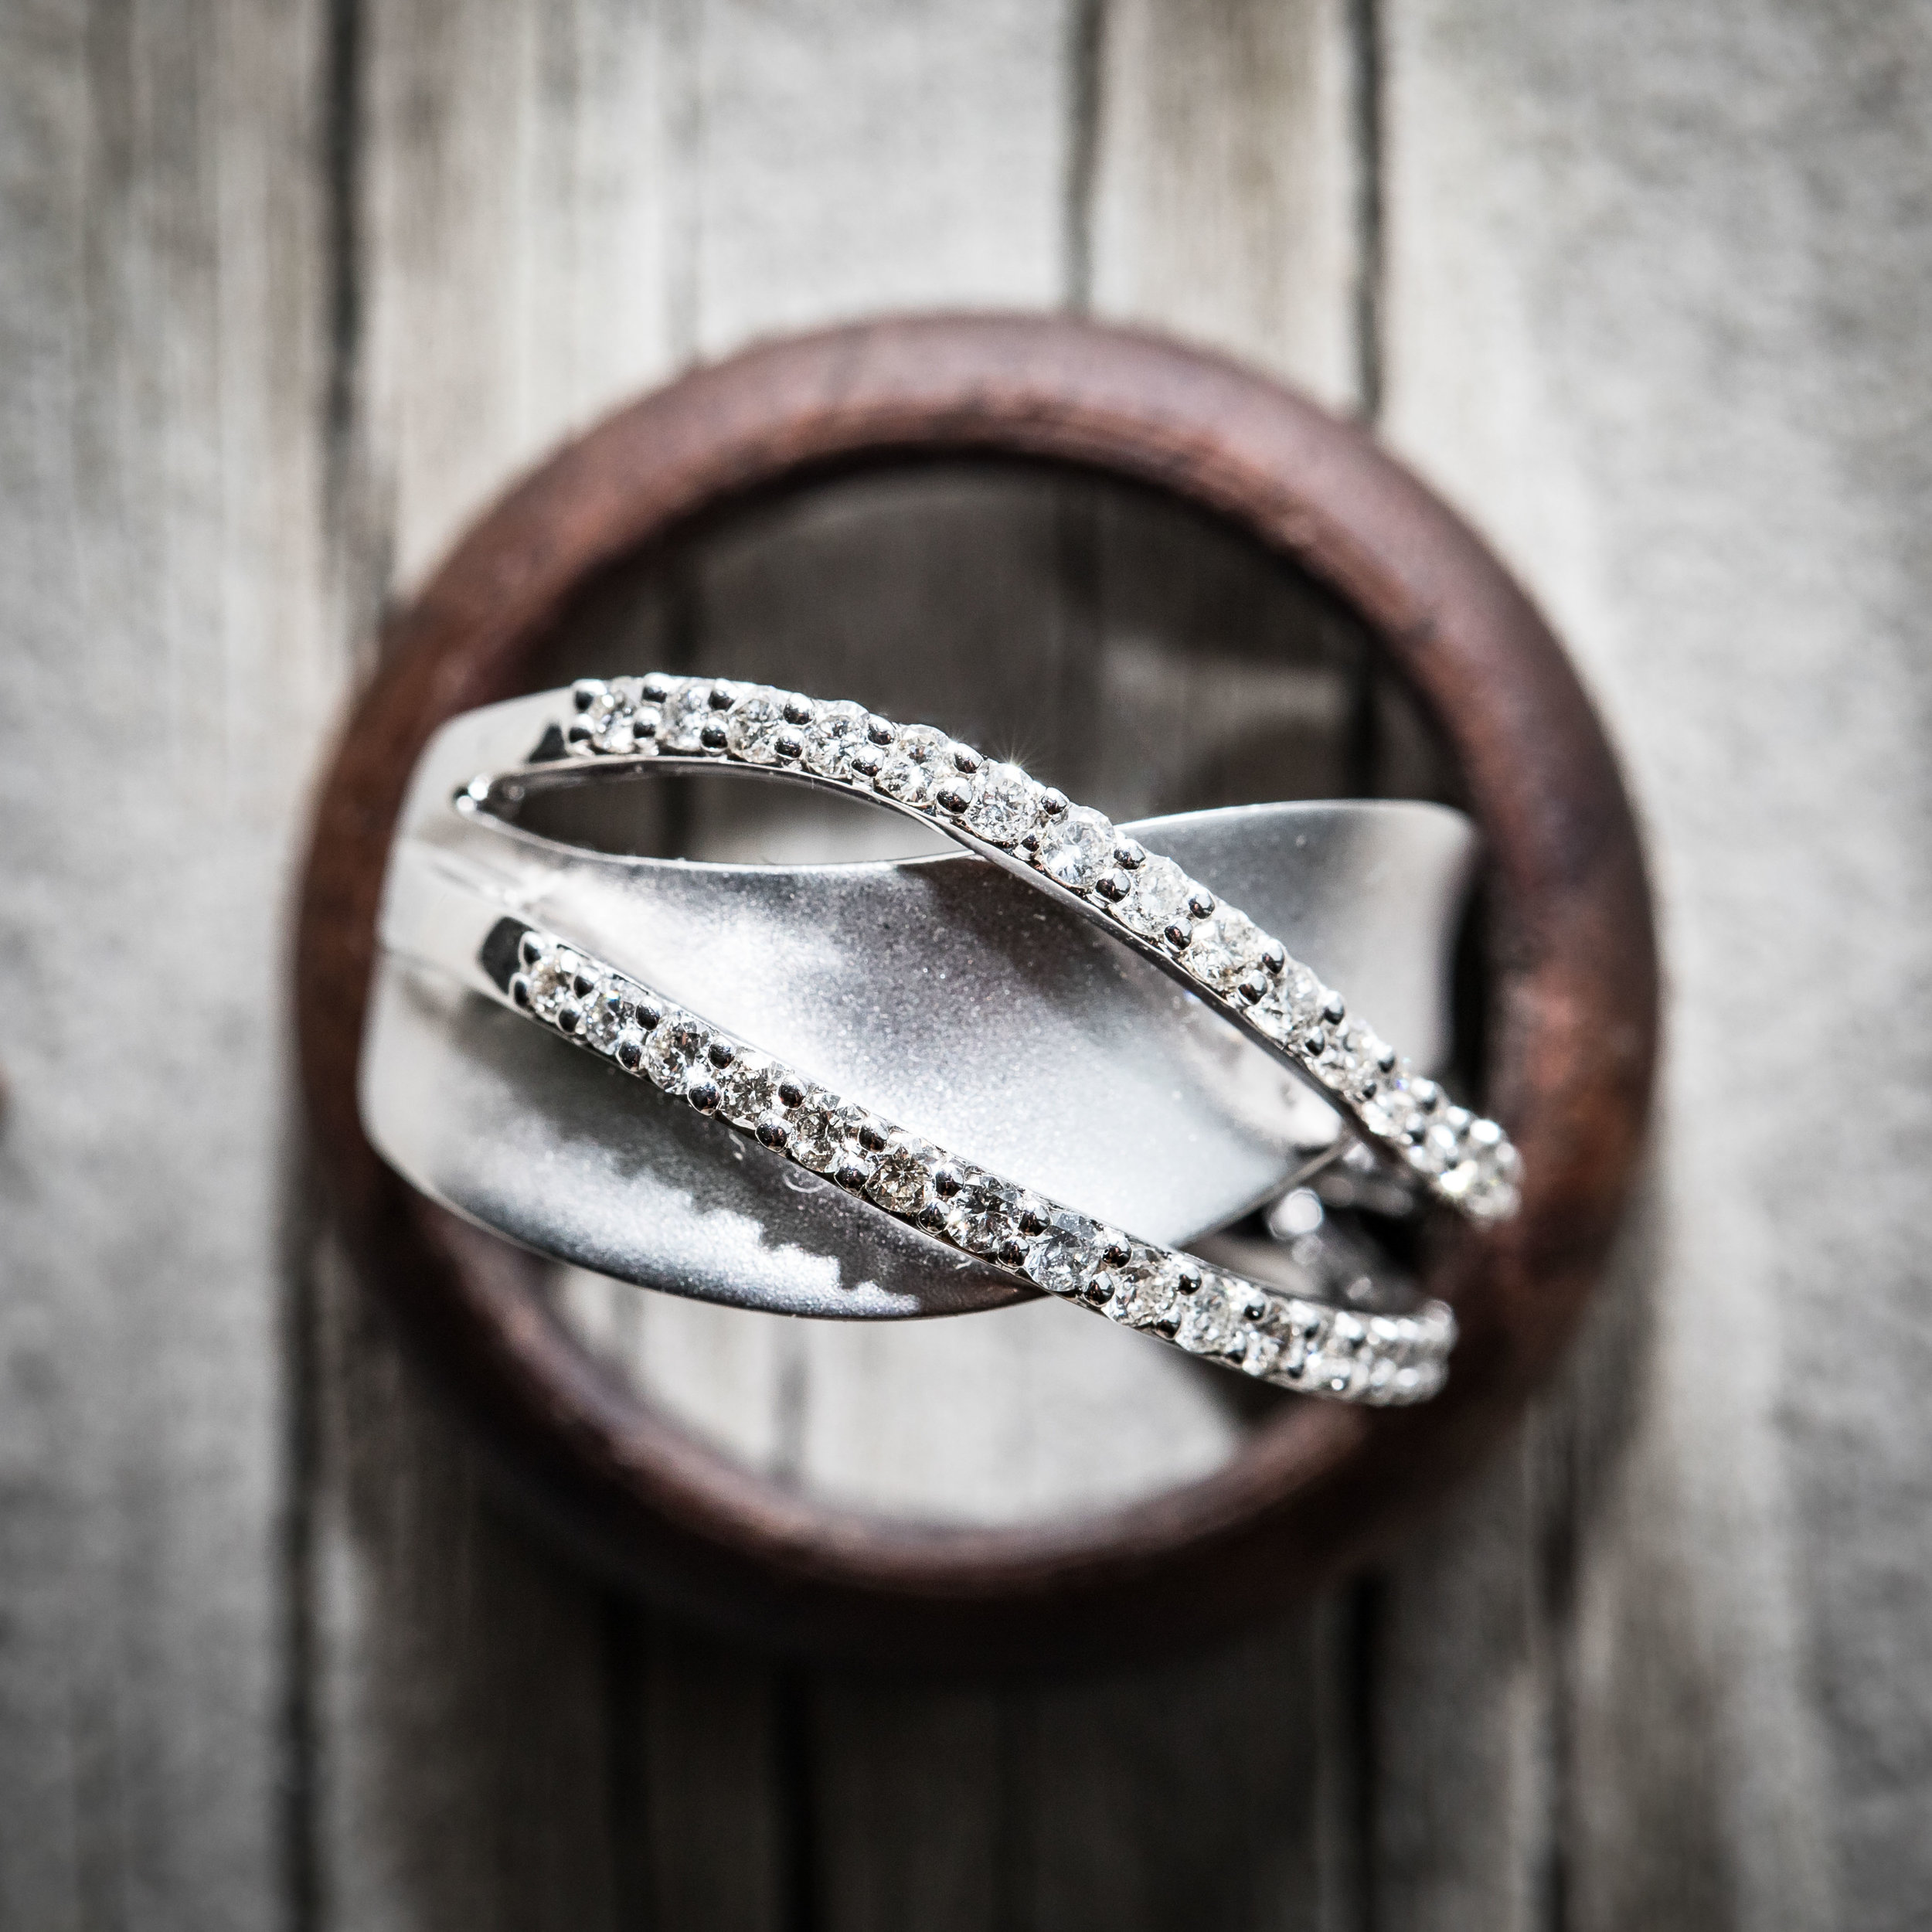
(996, 810)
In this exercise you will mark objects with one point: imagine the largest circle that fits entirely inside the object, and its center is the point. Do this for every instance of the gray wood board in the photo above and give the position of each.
(1655, 289)
(170, 673)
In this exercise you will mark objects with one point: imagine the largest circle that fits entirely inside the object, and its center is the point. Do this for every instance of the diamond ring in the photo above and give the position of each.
(1295, 1343)
(996, 810)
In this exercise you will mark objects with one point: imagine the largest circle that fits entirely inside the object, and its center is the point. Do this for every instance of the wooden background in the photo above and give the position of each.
(288, 289)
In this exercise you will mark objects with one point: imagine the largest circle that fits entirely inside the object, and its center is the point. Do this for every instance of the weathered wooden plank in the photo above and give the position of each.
(1648, 318)
(505, 177)
(161, 377)
(917, 1807)
(520, 266)
(713, 1814)
(466, 1747)
(1195, 1792)
(845, 160)
(1226, 187)
(1459, 1716)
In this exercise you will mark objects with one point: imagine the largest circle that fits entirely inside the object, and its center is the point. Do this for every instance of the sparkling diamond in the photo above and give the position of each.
(1485, 1179)
(857, 1126)
(1147, 1291)
(901, 1182)
(914, 764)
(1352, 1063)
(614, 735)
(684, 714)
(605, 1018)
(1207, 1323)
(1334, 1358)
(815, 1124)
(549, 982)
(1225, 949)
(1063, 1256)
(1262, 1353)
(1005, 805)
(1159, 900)
(1393, 1110)
(673, 1047)
(748, 1089)
(1435, 1147)
(757, 722)
(837, 730)
(1076, 849)
(983, 1212)
(1290, 1006)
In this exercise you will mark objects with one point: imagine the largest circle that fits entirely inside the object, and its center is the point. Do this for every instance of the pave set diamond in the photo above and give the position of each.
(1313, 1346)
(1459, 1157)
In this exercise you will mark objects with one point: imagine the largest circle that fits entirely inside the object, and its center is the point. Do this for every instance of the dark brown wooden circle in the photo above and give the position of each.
(1571, 1039)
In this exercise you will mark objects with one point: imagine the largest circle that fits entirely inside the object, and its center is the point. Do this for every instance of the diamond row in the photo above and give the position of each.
(1459, 1157)
(1382, 1359)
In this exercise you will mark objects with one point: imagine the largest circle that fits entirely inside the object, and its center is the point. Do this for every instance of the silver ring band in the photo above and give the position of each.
(1295, 1343)
(995, 809)
(928, 985)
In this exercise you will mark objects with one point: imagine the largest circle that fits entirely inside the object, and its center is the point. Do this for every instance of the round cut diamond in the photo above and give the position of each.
(1076, 849)
(1486, 1179)
(814, 1130)
(549, 982)
(1290, 1006)
(1434, 1148)
(673, 1047)
(1207, 1323)
(1147, 1291)
(984, 1211)
(1225, 949)
(684, 715)
(604, 1017)
(1159, 899)
(1394, 1109)
(614, 735)
(1005, 805)
(1353, 1060)
(915, 762)
(757, 722)
(856, 1125)
(1063, 1256)
(836, 731)
(748, 1089)
(1260, 1354)
(1335, 1360)
(901, 1182)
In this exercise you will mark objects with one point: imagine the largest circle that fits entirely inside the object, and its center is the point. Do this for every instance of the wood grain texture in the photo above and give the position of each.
(1655, 284)
(1224, 197)
(168, 669)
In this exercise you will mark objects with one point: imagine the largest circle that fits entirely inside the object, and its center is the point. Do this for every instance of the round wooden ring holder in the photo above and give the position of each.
(1569, 1039)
